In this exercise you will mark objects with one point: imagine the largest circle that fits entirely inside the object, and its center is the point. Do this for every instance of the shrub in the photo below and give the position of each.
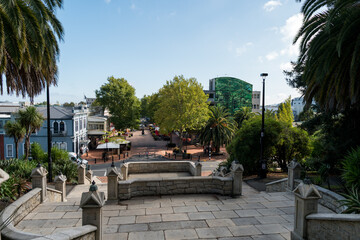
(58, 155)
(18, 168)
(13, 188)
(37, 153)
(352, 201)
(351, 169)
(176, 150)
(66, 167)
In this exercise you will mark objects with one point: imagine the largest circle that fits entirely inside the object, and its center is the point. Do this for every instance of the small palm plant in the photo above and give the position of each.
(219, 129)
(352, 202)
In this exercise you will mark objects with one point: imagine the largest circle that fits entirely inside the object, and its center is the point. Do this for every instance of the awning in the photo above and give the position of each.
(108, 145)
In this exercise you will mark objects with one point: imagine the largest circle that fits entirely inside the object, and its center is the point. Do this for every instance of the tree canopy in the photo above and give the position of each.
(285, 113)
(17, 132)
(32, 121)
(328, 66)
(119, 97)
(182, 105)
(219, 129)
(29, 35)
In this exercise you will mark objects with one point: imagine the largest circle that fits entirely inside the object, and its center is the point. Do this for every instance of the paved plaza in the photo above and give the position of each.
(255, 215)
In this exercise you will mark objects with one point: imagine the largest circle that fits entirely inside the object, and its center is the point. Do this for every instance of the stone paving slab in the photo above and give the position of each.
(255, 215)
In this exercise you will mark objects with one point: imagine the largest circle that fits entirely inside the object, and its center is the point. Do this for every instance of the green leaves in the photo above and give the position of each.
(119, 97)
(182, 105)
(329, 54)
(219, 129)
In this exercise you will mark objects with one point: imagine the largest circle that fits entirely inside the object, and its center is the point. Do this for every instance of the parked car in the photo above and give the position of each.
(73, 157)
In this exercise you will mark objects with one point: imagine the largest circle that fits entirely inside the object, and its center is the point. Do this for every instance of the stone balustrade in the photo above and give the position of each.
(160, 167)
(180, 185)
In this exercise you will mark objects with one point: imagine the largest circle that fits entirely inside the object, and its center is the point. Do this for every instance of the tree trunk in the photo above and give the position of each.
(171, 138)
(27, 144)
(181, 140)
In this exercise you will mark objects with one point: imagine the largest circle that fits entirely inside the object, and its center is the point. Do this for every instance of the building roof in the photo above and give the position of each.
(97, 119)
(57, 112)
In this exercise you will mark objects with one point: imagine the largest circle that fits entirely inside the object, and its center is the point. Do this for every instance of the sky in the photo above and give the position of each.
(148, 42)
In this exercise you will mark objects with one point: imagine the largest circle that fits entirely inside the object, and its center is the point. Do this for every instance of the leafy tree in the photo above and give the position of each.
(243, 114)
(16, 131)
(182, 106)
(330, 53)
(119, 97)
(285, 113)
(219, 129)
(37, 153)
(154, 102)
(31, 120)
(294, 143)
(144, 106)
(245, 147)
(29, 45)
(306, 114)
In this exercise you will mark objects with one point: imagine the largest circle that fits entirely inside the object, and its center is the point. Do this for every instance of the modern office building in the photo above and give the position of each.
(233, 94)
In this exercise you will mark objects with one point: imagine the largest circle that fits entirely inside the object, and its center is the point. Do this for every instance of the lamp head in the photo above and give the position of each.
(264, 75)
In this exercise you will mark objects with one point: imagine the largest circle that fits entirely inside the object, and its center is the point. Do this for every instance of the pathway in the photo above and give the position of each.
(255, 215)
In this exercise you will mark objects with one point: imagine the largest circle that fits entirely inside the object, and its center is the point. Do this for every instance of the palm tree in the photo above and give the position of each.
(31, 120)
(15, 130)
(243, 114)
(330, 53)
(29, 33)
(219, 129)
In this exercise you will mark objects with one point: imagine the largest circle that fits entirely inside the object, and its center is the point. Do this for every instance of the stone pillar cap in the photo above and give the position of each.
(307, 191)
(235, 166)
(294, 164)
(39, 172)
(60, 178)
(112, 171)
(92, 199)
(82, 166)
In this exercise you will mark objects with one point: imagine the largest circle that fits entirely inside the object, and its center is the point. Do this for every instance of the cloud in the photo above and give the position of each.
(107, 1)
(242, 49)
(271, 56)
(286, 66)
(271, 5)
(288, 32)
(291, 27)
(133, 6)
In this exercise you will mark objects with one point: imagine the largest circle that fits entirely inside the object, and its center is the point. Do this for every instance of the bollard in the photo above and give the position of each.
(124, 155)
(112, 158)
(306, 202)
(199, 158)
(81, 174)
(127, 154)
(113, 177)
(237, 173)
(119, 156)
(60, 185)
(95, 160)
(91, 204)
(38, 179)
(294, 172)
(175, 156)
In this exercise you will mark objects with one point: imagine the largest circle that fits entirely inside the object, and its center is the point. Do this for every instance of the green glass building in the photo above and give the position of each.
(232, 93)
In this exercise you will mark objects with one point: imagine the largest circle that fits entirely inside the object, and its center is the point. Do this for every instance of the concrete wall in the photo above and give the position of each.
(159, 167)
(53, 195)
(333, 226)
(181, 185)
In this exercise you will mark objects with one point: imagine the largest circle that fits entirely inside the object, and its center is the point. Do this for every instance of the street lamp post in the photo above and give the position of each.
(263, 163)
(210, 144)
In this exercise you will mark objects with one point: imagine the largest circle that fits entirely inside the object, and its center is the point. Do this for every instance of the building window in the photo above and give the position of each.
(63, 146)
(211, 95)
(81, 124)
(56, 127)
(62, 126)
(76, 125)
(9, 150)
(1, 124)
